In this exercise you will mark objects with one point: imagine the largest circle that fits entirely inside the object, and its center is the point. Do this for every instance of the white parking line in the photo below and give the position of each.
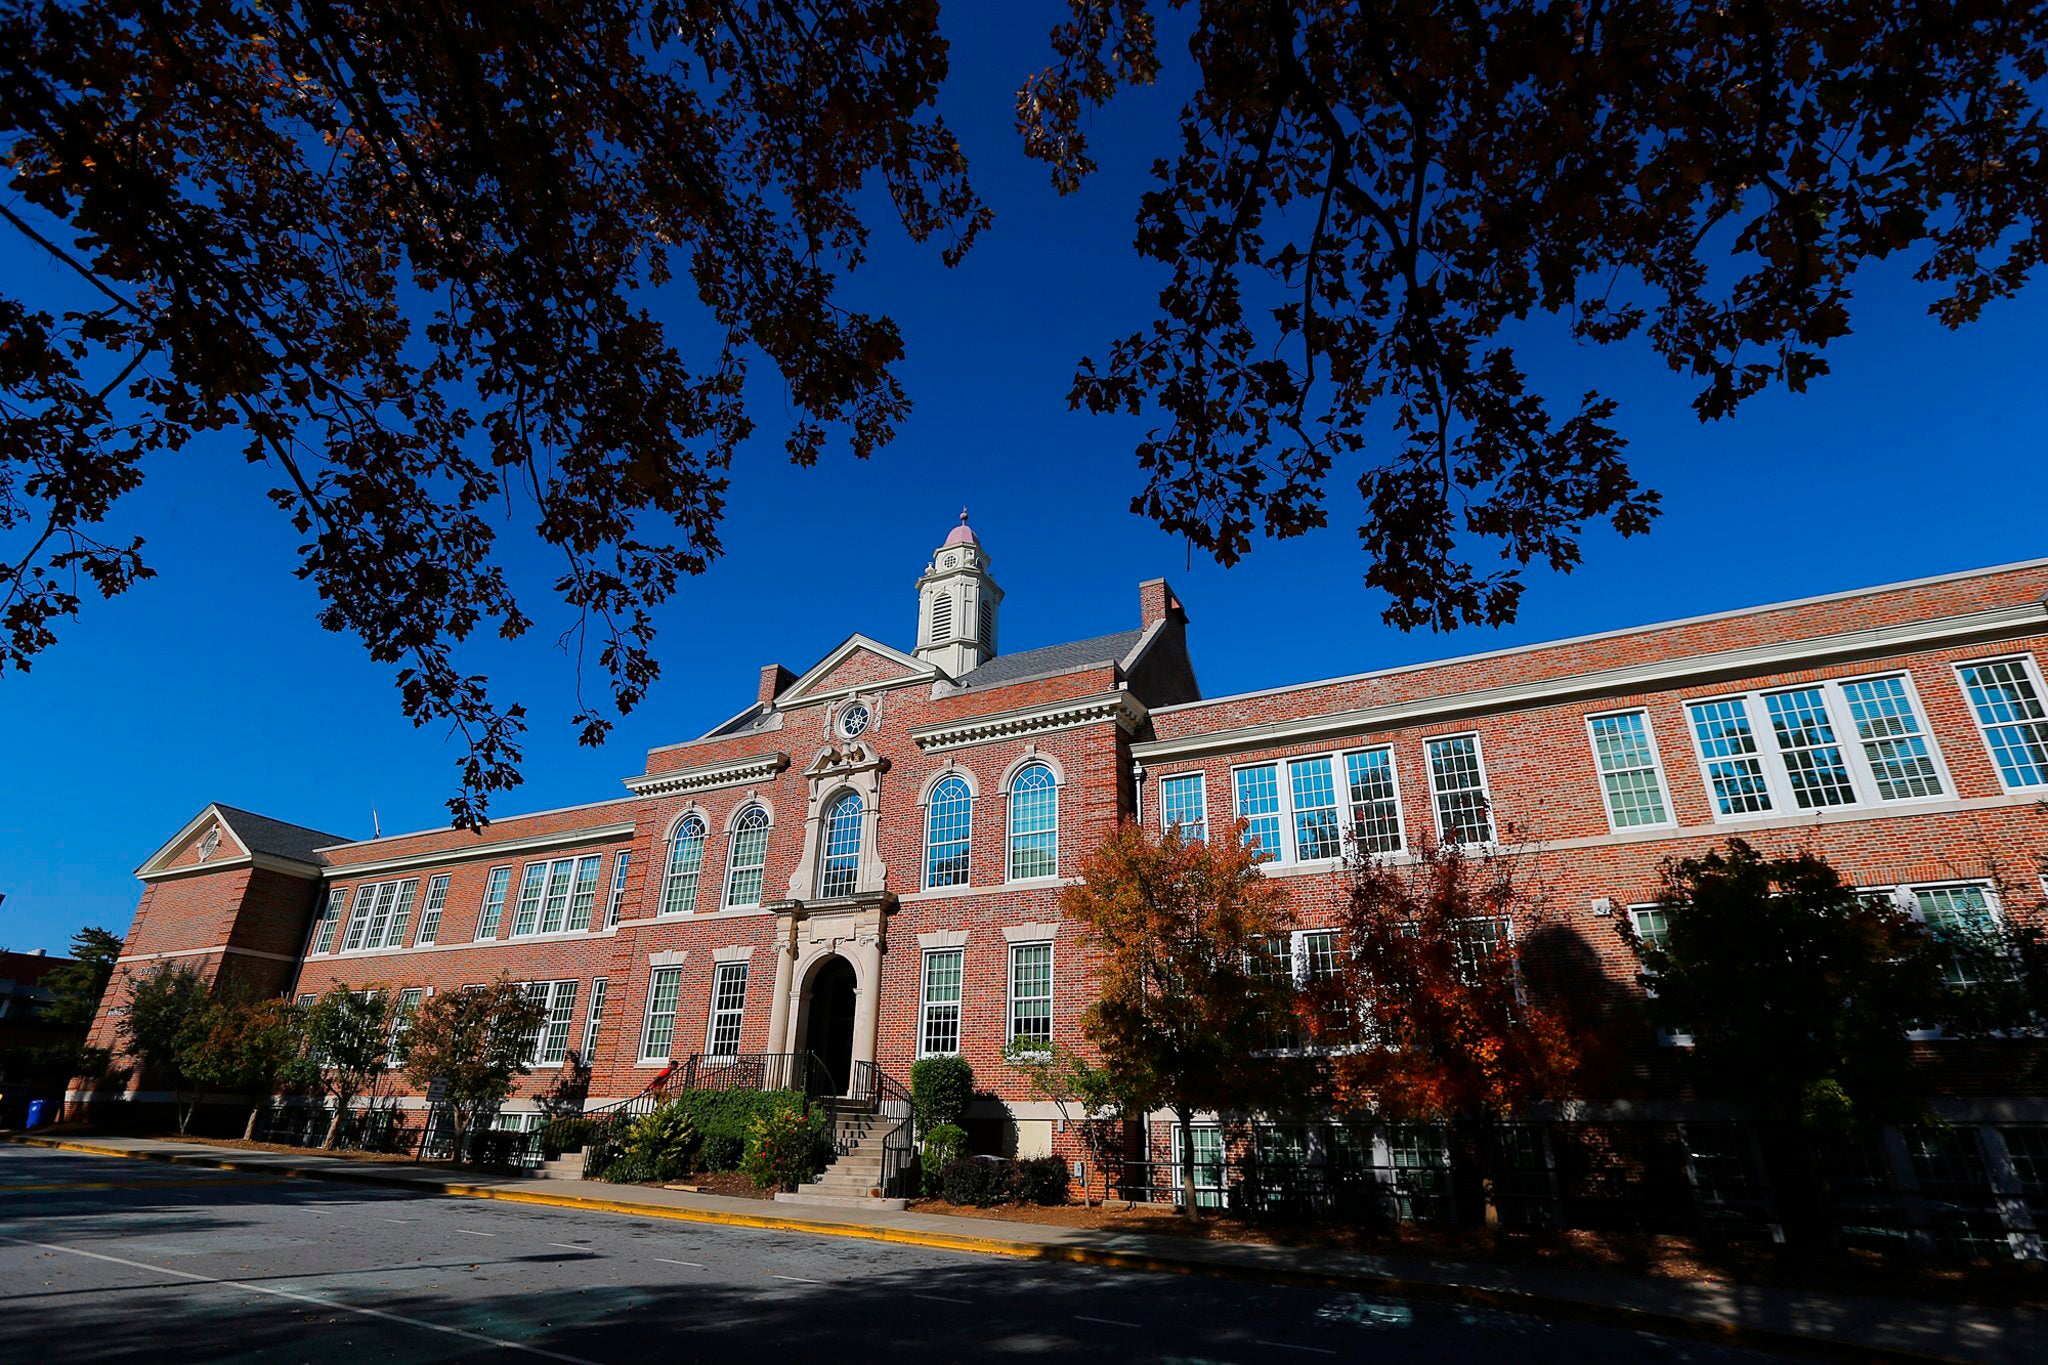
(570, 1246)
(398, 1220)
(941, 1298)
(1289, 1346)
(467, 1233)
(1106, 1322)
(795, 1278)
(329, 1304)
(692, 1264)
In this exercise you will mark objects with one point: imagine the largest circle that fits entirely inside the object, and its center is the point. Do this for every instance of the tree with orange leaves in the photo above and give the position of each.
(1185, 1017)
(1426, 1013)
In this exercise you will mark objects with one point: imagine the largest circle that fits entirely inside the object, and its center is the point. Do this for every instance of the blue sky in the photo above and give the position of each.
(1922, 454)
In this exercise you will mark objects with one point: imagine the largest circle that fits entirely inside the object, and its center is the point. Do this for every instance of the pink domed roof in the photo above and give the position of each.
(963, 534)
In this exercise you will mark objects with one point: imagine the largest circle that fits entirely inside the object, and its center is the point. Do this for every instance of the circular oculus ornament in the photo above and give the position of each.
(854, 720)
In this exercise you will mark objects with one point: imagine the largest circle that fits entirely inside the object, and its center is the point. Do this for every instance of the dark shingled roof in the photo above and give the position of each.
(742, 723)
(1103, 649)
(276, 838)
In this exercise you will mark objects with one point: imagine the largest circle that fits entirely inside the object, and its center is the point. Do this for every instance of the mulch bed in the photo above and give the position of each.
(729, 1183)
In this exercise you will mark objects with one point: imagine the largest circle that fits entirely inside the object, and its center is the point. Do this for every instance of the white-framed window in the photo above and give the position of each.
(557, 896)
(329, 921)
(1034, 824)
(2005, 696)
(659, 1035)
(1819, 746)
(1653, 930)
(1206, 1157)
(938, 1029)
(402, 1016)
(594, 1019)
(1184, 805)
(1457, 784)
(495, 887)
(551, 1039)
(1324, 806)
(839, 863)
(615, 903)
(1953, 909)
(728, 1009)
(1031, 992)
(948, 833)
(1479, 942)
(749, 862)
(382, 911)
(685, 867)
(1375, 800)
(430, 911)
(1303, 957)
(1631, 771)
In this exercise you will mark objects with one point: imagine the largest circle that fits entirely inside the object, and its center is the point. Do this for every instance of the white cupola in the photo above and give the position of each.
(956, 605)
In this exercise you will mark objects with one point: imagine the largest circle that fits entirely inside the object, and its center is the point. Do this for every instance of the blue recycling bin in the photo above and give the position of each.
(35, 1112)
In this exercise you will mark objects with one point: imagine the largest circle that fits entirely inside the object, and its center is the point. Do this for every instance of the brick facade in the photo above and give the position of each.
(1113, 720)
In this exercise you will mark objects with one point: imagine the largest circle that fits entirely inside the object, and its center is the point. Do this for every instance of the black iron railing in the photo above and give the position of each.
(875, 1091)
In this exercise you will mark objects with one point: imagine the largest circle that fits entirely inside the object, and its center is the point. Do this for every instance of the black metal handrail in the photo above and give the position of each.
(873, 1089)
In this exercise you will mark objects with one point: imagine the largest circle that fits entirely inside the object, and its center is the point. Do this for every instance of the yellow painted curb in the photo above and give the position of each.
(1507, 1300)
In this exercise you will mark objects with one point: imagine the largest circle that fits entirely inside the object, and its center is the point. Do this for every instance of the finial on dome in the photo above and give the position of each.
(963, 515)
(963, 534)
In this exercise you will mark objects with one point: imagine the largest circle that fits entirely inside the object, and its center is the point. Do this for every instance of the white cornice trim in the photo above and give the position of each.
(802, 688)
(1121, 707)
(502, 848)
(1776, 656)
(223, 949)
(733, 772)
(267, 862)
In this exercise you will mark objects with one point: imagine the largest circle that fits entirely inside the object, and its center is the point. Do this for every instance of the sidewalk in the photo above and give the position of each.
(1833, 1325)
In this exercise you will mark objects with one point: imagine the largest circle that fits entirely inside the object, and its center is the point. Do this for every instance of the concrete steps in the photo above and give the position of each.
(855, 1179)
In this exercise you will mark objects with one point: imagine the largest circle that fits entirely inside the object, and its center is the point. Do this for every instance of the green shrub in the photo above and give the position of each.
(787, 1148)
(565, 1135)
(943, 1146)
(666, 1141)
(723, 1151)
(1041, 1180)
(940, 1089)
(981, 1183)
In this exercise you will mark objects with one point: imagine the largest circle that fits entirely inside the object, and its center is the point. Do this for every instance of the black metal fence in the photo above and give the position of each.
(423, 1135)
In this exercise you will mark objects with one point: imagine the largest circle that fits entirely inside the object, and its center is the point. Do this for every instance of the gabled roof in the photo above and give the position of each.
(1032, 663)
(276, 844)
(818, 675)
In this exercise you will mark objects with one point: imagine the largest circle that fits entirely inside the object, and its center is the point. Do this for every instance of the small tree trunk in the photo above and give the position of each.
(1186, 1157)
(334, 1125)
(249, 1128)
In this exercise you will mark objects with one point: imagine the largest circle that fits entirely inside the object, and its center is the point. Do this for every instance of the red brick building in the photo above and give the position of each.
(866, 860)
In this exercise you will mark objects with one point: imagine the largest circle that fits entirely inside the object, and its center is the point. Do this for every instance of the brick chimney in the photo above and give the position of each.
(774, 678)
(1156, 602)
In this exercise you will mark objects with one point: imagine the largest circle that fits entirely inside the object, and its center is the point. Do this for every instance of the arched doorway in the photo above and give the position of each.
(828, 1010)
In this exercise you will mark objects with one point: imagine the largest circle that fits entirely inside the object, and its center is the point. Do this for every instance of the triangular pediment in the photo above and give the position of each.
(206, 840)
(858, 664)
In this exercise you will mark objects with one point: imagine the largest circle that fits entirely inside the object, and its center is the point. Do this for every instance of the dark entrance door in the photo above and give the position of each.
(830, 1030)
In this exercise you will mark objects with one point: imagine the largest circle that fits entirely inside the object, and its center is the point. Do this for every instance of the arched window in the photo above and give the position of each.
(840, 869)
(685, 861)
(946, 833)
(1034, 824)
(749, 857)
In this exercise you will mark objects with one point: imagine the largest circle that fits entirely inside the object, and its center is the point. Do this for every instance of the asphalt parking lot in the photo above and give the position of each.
(103, 1259)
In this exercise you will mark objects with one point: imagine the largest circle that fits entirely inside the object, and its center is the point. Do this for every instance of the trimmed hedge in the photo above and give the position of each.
(940, 1089)
(786, 1149)
(943, 1146)
(721, 1119)
(982, 1183)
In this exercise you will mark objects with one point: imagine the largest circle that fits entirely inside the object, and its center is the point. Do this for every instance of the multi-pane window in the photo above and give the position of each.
(1312, 792)
(382, 910)
(1480, 945)
(557, 896)
(402, 1016)
(595, 1019)
(948, 828)
(584, 899)
(685, 865)
(330, 920)
(1806, 741)
(1816, 747)
(1960, 914)
(1457, 780)
(1258, 805)
(1653, 925)
(1031, 992)
(1034, 824)
(2005, 696)
(839, 869)
(494, 902)
(1630, 781)
(1734, 762)
(1894, 740)
(615, 904)
(749, 861)
(1375, 801)
(430, 912)
(728, 1009)
(659, 1036)
(551, 1039)
(938, 1031)
(1184, 805)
